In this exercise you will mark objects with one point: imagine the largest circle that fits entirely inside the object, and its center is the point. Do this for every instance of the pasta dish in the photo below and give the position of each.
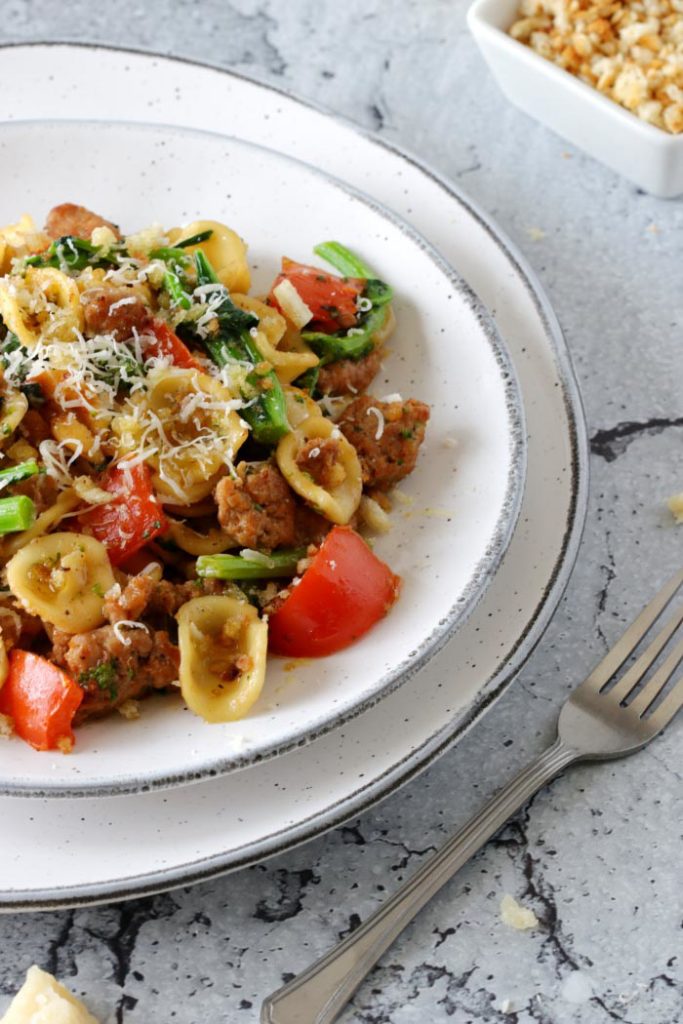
(185, 468)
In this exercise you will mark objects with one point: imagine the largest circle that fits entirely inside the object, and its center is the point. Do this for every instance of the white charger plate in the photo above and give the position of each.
(445, 351)
(114, 848)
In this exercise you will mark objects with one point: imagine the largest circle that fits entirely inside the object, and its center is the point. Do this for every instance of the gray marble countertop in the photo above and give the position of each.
(597, 855)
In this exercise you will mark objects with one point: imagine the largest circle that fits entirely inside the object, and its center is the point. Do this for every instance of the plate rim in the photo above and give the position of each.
(483, 572)
(416, 761)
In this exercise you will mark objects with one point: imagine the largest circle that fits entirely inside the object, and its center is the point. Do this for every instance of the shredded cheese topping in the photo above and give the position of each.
(380, 420)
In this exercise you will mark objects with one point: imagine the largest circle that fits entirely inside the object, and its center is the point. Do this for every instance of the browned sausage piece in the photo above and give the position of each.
(16, 624)
(319, 458)
(41, 489)
(131, 601)
(71, 219)
(257, 508)
(113, 311)
(143, 595)
(387, 437)
(349, 376)
(114, 665)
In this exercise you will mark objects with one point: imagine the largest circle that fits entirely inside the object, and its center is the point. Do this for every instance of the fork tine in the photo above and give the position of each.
(670, 706)
(630, 679)
(654, 686)
(630, 639)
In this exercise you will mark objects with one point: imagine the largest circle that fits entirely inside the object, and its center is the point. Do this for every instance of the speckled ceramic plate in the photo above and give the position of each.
(463, 496)
(110, 849)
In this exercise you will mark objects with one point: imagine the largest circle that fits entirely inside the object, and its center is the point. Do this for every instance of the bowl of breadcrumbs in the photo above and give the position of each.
(606, 76)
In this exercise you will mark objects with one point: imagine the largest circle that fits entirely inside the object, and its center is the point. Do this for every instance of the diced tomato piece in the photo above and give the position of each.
(345, 590)
(332, 300)
(132, 518)
(169, 344)
(41, 700)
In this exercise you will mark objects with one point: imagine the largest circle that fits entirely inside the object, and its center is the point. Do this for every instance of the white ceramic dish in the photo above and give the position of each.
(445, 350)
(639, 151)
(101, 850)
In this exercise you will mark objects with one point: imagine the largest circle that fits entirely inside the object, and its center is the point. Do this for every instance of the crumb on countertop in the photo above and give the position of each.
(515, 915)
(675, 504)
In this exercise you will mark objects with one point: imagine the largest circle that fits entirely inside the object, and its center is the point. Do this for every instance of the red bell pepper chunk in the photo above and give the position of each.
(41, 700)
(168, 344)
(332, 300)
(132, 518)
(345, 590)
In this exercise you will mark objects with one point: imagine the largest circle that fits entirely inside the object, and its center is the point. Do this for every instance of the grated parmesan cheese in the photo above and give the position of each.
(54, 457)
(127, 624)
(380, 420)
(128, 301)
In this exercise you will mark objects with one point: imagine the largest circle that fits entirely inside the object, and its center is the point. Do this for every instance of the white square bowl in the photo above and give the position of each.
(641, 152)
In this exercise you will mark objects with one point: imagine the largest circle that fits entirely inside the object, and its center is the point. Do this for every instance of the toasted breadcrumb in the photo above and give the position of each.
(6, 727)
(629, 50)
(675, 504)
(130, 709)
(515, 915)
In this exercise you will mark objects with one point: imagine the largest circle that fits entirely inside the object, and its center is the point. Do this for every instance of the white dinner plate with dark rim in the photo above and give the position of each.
(464, 494)
(105, 849)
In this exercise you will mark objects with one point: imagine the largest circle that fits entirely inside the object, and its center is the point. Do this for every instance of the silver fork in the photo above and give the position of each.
(597, 722)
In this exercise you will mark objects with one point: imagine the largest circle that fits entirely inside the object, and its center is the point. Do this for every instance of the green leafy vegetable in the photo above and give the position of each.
(16, 514)
(201, 236)
(242, 567)
(22, 471)
(104, 675)
(266, 414)
(72, 253)
(357, 341)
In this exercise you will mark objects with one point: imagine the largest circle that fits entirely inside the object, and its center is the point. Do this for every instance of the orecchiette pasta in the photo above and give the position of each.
(19, 239)
(47, 304)
(186, 420)
(300, 406)
(12, 411)
(212, 542)
(65, 503)
(68, 430)
(223, 647)
(337, 499)
(62, 578)
(271, 330)
(225, 250)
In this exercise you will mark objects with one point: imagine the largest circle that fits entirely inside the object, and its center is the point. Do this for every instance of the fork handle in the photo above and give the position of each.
(319, 994)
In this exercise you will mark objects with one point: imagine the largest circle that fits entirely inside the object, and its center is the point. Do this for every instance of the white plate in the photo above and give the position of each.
(111, 849)
(446, 351)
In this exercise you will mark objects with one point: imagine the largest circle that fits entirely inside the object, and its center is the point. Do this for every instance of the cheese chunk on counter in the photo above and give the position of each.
(42, 1000)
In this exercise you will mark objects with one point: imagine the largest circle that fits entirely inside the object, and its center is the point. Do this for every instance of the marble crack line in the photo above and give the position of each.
(262, 22)
(291, 890)
(514, 836)
(609, 569)
(409, 853)
(132, 917)
(612, 442)
(53, 959)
